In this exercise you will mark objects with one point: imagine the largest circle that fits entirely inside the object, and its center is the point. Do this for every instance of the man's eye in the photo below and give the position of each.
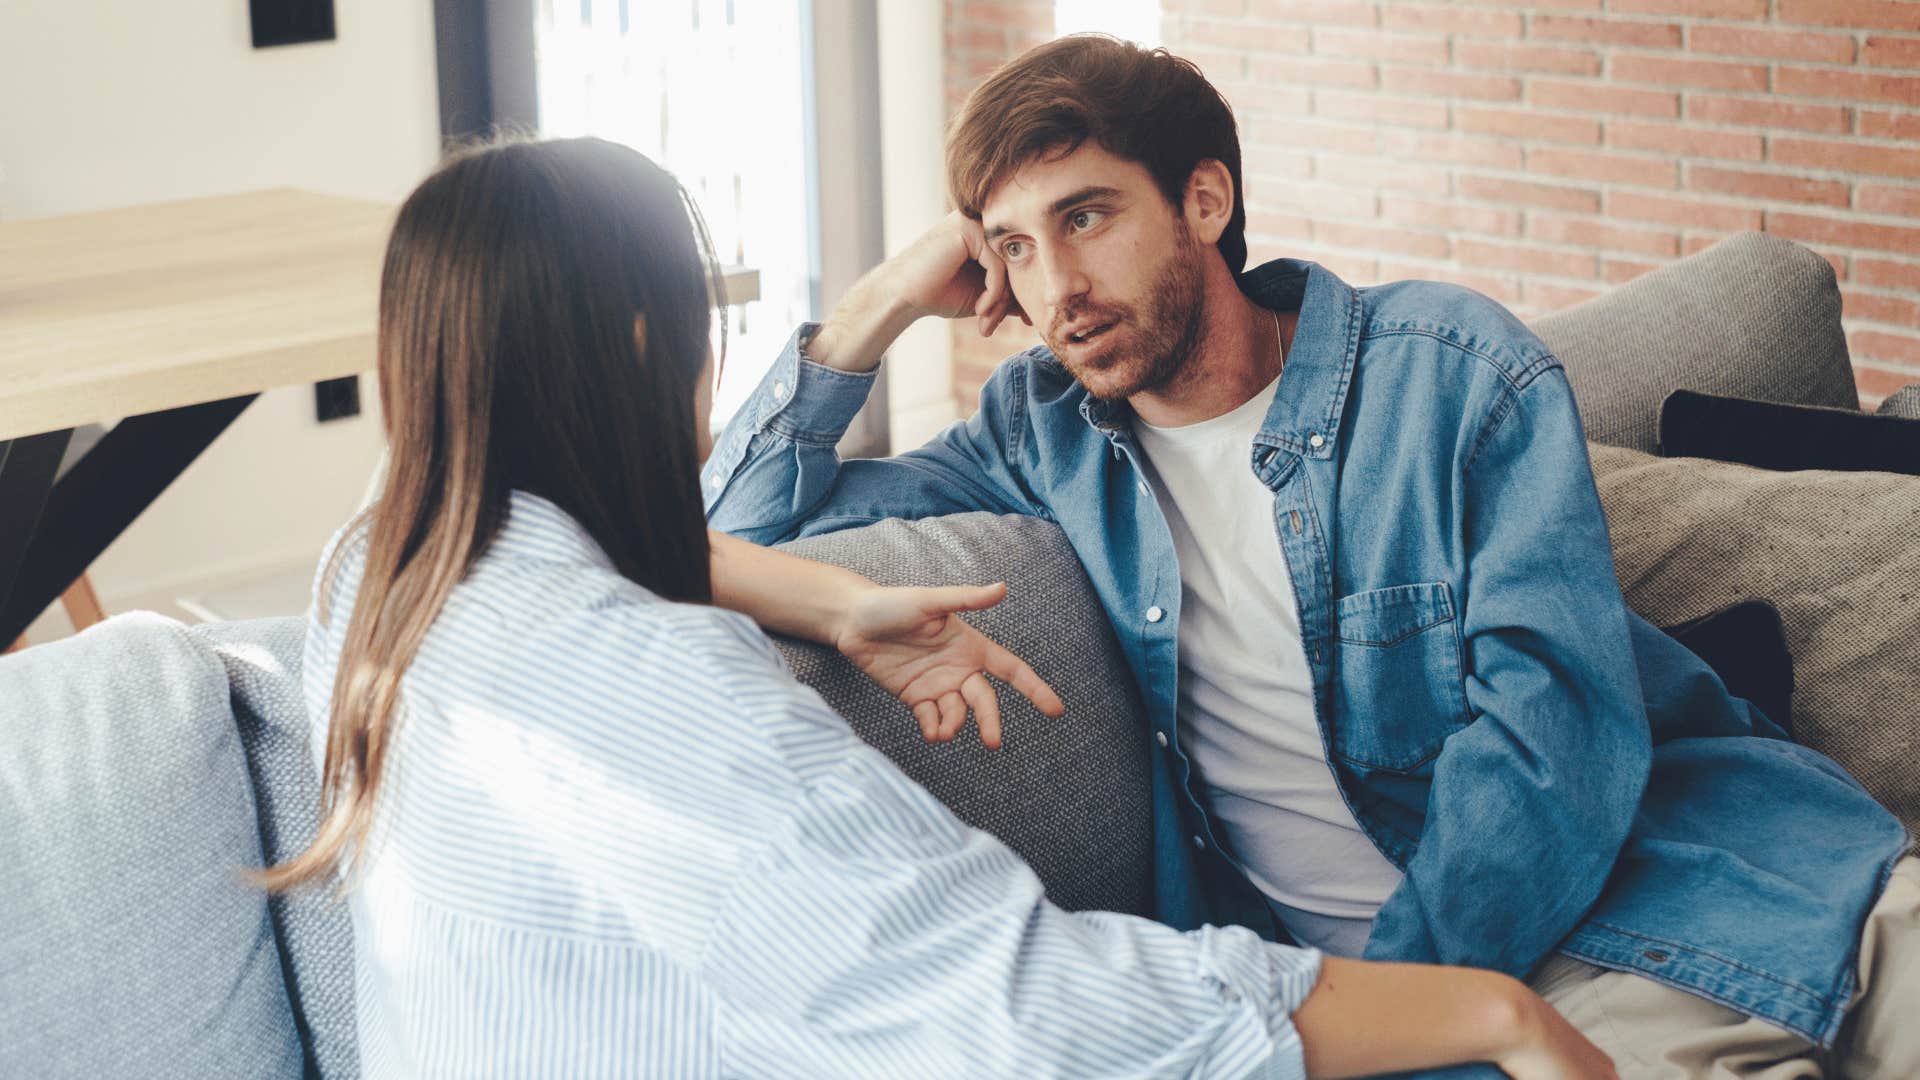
(1012, 249)
(1084, 219)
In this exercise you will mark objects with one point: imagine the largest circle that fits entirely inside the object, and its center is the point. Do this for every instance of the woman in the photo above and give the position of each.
(589, 824)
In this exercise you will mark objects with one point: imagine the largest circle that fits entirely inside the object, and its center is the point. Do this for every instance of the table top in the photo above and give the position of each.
(122, 312)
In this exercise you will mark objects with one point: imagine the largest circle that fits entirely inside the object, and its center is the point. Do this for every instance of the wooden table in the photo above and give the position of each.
(174, 317)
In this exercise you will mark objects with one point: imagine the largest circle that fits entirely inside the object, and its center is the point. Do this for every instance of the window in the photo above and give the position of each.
(1132, 20)
(714, 91)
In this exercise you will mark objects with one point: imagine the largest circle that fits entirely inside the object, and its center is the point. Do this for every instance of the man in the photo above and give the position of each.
(1350, 543)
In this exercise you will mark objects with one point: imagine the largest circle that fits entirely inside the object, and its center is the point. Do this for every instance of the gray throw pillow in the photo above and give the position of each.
(1071, 796)
(1902, 402)
(129, 943)
(1834, 552)
(1775, 312)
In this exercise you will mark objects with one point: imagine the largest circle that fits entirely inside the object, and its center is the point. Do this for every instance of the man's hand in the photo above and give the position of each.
(949, 272)
(913, 643)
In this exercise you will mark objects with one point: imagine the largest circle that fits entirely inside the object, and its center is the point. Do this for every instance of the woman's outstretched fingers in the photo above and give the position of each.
(1014, 671)
(953, 715)
(985, 703)
(927, 715)
(951, 598)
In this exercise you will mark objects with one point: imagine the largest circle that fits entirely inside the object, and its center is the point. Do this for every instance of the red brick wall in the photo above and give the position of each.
(1542, 151)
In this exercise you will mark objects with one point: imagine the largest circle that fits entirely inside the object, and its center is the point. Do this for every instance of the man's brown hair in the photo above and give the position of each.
(1145, 105)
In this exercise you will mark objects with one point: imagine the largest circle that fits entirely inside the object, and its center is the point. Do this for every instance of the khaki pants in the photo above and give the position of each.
(1658, 1033)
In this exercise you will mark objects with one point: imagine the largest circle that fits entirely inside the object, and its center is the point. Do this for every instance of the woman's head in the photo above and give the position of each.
(545, 312)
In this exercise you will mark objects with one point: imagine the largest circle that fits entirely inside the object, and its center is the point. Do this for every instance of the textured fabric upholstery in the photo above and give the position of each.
(1904, 402)
(129, 943)
(1070, 795)
(1753, 316)
(262, 660)
(1833, 551)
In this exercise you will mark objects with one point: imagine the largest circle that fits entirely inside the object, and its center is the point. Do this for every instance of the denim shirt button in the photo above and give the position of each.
(779, 390)
(1316, 440)
(1200, 842)
(1155, 614)
(1161, 737)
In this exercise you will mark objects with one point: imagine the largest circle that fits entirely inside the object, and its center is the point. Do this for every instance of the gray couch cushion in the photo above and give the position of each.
(1835, 552)
(1071, 795)
(1753, 316)
(1904, 402)
(262, 659)
(129, 943)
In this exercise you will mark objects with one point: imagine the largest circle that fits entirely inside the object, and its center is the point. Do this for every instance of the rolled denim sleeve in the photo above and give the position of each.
(775, 475)
(1558, 749)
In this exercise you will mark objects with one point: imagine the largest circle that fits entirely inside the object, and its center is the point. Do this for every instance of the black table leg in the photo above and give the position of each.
(94, 501)
(27, 468)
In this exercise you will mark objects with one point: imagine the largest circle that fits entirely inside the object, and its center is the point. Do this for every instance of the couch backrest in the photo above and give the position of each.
(1753, 316)
(130, 945)
(1073, 795)
(315, 933)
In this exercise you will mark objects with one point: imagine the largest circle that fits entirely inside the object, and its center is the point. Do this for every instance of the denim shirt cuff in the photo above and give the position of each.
(805, 401)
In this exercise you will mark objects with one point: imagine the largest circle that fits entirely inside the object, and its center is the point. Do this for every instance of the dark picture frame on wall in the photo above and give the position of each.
(290, 22)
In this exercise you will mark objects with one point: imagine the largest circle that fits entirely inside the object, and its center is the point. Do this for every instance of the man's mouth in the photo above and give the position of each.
(1081, 337)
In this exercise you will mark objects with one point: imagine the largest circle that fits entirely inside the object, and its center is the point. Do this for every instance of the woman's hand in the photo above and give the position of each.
(913, 642)
(1366, 1017)
(1550, 1048)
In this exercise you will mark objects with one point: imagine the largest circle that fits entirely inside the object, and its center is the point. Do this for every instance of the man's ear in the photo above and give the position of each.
(1208, 204)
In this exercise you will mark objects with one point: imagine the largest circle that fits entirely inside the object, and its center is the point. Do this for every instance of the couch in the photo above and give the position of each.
(144, 764)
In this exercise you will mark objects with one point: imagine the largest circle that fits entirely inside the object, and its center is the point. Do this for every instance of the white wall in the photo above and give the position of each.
(107, 103)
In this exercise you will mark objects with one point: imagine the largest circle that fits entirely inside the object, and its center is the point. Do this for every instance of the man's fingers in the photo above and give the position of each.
(1014, 671)
(986, 708)
(927, 715)
(953, 714)
(995, 298)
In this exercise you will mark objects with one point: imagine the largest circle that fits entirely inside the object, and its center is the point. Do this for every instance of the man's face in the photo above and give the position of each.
(1109, 273)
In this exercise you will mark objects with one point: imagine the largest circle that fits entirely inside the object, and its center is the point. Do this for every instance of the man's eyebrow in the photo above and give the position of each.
(1085, 194)
(1061, 205)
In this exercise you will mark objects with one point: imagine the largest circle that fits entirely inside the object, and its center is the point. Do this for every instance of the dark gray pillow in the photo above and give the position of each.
(262, 659)
(1834, 552)
(129, 943)
(1071, 796)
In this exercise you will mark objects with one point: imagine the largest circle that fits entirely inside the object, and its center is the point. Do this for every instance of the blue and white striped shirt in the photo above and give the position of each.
(616, 838)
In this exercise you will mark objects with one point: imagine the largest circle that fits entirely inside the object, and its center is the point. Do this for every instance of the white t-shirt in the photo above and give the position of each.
(1246, 694)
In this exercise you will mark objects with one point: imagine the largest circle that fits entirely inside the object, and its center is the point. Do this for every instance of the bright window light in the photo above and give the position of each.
(712, 90)
(1132, 20)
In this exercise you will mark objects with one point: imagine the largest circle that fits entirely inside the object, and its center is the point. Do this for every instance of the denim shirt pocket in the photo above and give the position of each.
(1397, 676)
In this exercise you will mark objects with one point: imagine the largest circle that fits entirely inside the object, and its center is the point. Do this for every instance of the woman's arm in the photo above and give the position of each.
(783, 593)
(1365, 1017)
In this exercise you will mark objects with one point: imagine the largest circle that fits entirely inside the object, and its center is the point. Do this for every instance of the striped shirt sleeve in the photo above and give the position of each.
(875, 934)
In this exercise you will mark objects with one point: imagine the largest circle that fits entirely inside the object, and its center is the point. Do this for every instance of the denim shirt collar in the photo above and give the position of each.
(1304, 419)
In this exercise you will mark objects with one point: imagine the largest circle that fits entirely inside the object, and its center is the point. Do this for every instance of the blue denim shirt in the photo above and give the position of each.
(1549, 770)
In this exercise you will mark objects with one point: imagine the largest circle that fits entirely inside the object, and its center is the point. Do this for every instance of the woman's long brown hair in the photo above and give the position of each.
(545, 311)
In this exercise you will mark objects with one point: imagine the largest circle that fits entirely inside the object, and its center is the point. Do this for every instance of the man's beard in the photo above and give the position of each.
(1157, 348)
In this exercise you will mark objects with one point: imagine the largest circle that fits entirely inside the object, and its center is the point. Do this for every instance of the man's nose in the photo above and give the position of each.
(1061, 281)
